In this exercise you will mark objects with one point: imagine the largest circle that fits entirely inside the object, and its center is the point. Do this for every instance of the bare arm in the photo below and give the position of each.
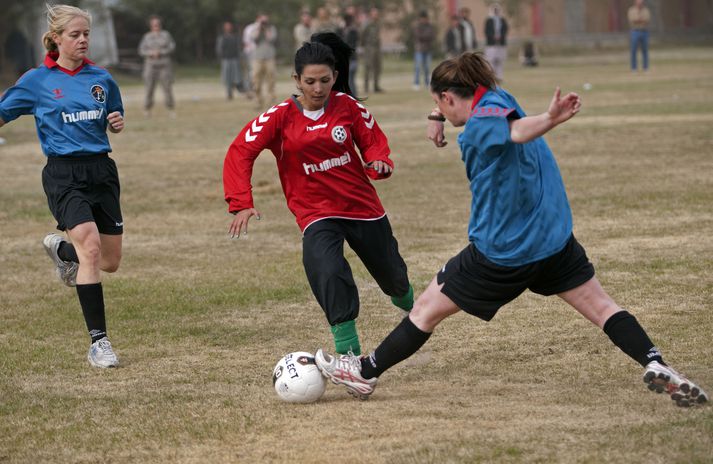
(561, 109)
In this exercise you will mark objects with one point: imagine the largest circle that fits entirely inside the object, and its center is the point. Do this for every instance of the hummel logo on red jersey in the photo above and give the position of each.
(318, 126)
(327, 164)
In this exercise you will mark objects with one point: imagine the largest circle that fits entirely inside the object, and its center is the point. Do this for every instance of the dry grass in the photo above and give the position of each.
(199, 321)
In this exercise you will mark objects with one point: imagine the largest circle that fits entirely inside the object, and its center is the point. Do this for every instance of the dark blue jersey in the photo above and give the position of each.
(70, 107)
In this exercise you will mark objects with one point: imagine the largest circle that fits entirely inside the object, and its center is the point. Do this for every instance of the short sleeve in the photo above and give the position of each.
(17, 100)
(489, 134)
(114, 102)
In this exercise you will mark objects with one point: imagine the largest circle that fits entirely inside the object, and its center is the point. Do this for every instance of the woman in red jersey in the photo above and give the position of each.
(327, 145)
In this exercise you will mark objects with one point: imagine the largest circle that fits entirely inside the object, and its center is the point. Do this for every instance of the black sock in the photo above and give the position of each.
(66, 252)
(624, 330)
(91, 298)
(402, 342)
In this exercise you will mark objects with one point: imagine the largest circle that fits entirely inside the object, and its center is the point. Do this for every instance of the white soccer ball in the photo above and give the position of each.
(297, 378)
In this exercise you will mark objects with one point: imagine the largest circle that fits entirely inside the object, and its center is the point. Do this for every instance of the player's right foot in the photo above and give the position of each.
(661, 378)
(101, 355)
(66, 270)
(345, 370)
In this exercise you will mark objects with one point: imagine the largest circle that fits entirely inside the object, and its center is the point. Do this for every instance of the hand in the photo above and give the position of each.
(563, 108)
(240, 223)
(434, 132)
(379, 166)
(116, 122)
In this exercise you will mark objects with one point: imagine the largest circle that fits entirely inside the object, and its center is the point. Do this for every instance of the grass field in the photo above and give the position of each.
(198, 320)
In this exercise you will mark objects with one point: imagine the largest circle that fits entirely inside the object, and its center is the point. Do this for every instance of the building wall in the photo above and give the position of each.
(562, 18)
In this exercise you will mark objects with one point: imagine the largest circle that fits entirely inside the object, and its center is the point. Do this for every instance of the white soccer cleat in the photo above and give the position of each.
(101, 355)
(66, 270)
(345, 370)
(662, 378)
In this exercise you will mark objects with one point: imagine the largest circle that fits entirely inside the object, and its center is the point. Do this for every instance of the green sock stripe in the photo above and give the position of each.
(346, 338)
(404, 302)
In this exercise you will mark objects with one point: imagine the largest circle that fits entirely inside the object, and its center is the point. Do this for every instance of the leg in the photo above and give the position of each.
(270, 78)
(110, 252)
(645, 50)
(592, 302)
(427, 69)
(374, 243)
(367, 72)
(87, 243)
(633, 39)
(166, 78)
(360, 375)
(332, 283)
(150, 83)
(226, 78)
(625, 332)
(258, 76)
(416, 68)
(377, 71)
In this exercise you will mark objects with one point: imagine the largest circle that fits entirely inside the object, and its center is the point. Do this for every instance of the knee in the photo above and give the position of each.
(112, 264)
(423, 314)
(90, 254)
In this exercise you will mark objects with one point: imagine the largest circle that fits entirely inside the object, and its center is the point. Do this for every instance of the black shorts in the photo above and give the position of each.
(83, 189)
(480, 287)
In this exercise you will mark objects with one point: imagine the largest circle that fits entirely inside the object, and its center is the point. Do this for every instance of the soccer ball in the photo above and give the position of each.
(297, 378)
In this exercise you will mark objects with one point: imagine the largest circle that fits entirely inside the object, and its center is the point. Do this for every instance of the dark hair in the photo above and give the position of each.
(463, 74)
(329, 49)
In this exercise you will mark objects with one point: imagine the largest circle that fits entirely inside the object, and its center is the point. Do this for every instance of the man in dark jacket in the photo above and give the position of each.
(496, 31)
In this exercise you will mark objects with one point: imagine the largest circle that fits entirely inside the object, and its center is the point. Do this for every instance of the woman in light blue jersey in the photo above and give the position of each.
(520, 234)
(74, 103)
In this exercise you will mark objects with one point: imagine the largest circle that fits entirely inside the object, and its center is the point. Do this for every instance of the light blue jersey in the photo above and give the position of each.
(70, 107)
(519, 211)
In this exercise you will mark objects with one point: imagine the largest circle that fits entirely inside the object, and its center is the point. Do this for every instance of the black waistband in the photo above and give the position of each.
(77, 158)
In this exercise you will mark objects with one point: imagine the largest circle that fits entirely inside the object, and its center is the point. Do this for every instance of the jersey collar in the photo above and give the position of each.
(51, 62)
(479, 92)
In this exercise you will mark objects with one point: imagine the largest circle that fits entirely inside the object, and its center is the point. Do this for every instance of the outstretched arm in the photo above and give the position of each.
(561, 109)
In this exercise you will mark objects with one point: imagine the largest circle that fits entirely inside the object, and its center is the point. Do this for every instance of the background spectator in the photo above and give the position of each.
(496, 31)
(227, 49)
(639, 19)
(156, 48)
(423, 35)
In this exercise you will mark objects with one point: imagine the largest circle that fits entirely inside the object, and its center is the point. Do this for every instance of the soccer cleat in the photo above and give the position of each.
(345, 370)
(66, 270)
(661, 378)
(101, 355)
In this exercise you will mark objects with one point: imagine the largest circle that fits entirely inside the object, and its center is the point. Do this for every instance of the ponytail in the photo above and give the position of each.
(342, 53)
(48, 43)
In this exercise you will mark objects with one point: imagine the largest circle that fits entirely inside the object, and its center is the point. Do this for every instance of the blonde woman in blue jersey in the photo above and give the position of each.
(520, 234)
(74, 103)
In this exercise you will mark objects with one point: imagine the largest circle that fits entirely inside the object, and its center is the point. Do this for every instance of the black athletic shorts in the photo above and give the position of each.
(84, 188)
(480, 287)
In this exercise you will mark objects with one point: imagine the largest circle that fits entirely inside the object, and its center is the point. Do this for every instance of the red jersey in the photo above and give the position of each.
(322, 174)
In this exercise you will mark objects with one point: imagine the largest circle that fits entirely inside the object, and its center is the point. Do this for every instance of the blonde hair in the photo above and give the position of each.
(58, 16)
